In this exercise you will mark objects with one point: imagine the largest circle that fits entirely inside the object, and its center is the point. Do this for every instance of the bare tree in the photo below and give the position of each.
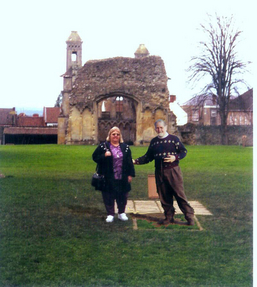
(218, 61)
(58, 102)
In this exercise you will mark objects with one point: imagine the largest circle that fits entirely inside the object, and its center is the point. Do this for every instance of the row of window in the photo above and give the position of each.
(232, 120)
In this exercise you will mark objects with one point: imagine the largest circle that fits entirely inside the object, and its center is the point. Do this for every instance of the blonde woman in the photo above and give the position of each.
(114, 161)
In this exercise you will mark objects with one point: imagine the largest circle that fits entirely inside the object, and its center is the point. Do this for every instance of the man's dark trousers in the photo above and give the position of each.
(169, 184)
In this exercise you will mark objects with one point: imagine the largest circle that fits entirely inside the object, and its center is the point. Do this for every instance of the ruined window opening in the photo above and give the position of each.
(119, 104)
(74, 56)
(103, 107)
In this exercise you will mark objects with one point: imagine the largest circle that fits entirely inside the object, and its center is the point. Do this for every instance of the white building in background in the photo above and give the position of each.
(181, 115)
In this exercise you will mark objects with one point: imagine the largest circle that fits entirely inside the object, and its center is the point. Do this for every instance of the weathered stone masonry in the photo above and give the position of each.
(142, 84)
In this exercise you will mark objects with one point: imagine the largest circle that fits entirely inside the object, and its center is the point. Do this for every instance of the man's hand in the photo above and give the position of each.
(134, 162)
(129, 178)
(170, 158)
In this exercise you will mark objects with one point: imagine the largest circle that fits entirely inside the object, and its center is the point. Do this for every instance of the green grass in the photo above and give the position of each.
(53, 231)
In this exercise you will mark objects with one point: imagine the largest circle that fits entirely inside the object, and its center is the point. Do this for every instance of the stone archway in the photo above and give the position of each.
(117, 110)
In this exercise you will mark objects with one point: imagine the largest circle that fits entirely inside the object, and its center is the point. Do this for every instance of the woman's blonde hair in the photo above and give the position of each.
(111, 131)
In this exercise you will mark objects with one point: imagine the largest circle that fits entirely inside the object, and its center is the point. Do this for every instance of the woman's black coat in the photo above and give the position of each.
(105, 165)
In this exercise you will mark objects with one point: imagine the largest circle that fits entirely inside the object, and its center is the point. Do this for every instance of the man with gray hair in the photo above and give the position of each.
(167, 150)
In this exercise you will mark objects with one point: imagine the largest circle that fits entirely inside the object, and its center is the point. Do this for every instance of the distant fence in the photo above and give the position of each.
(211, 135)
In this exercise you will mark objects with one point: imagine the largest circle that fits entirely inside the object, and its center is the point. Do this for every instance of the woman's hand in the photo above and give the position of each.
(129, 179)
(108, 153)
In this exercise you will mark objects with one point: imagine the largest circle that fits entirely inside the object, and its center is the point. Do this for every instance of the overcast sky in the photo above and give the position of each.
(34, 33)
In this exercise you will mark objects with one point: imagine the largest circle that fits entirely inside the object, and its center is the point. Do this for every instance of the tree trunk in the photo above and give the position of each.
(223, 130)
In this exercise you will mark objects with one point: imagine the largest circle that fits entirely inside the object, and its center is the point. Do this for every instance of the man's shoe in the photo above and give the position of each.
(109, 218)
(166, 221)
(123, 217)
(190, 221)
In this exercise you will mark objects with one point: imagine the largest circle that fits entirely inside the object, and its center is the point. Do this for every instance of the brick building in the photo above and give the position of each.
(22, 129)
(204, 110)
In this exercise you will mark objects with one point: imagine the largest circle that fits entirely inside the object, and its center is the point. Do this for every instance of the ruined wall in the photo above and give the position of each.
(144, 78)
(80, 127)
(211, 135)
(140, 80)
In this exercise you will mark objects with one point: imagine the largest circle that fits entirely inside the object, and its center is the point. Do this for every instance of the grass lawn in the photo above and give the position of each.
(53, 231)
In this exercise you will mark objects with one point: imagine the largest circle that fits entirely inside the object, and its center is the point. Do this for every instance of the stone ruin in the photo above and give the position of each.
(130, 93)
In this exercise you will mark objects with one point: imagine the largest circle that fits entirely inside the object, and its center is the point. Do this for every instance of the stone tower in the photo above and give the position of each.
(141, 51)
(74, 51)
(73, 64)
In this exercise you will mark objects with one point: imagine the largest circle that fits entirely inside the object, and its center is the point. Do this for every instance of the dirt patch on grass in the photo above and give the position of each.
(150, 221)
(83, 210)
